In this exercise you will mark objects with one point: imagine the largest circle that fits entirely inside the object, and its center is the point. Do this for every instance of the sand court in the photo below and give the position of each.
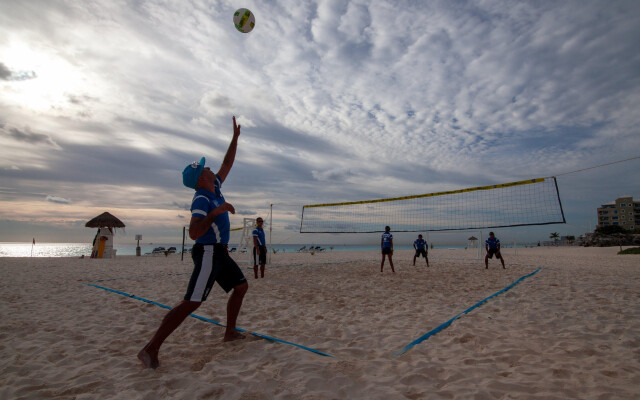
(341, 301)
(569, 331)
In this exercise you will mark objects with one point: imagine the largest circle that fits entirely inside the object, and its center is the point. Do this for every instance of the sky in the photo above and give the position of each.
(104, 102)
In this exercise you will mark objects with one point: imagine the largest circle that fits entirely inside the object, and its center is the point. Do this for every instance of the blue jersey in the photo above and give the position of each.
(204, 202)
(420, 243)
(259, 233)
(386, 239)
(492, 243)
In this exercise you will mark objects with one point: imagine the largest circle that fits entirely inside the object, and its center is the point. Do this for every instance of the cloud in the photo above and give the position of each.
(22, 75)
(7, 75)
(245, 212)
(29, 137)
(216, 104)
(181, 206)
(79, 99)
(335, 174)
(59, 200)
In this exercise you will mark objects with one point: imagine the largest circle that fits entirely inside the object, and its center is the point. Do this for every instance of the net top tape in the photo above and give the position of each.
(417, 196)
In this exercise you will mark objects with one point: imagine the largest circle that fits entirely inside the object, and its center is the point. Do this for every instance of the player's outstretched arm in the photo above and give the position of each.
(230, 157)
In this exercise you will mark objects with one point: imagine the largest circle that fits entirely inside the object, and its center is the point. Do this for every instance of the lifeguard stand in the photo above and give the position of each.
(246, 240)
(103, 247)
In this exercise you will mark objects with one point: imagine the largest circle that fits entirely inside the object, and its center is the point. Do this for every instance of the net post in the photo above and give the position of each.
(564, 221)
(270, 230)
(184, 230)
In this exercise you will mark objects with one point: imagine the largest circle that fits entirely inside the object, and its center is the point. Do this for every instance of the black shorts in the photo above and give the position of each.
(492, 252)
(262, 259)
(421, 252)
(387, 250)
(212, 263)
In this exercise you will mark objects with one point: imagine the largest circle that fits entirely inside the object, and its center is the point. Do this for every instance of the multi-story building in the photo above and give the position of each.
(624, 212)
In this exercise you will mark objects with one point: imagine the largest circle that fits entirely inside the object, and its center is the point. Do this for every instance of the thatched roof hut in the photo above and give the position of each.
(473, 242)
(105, 220)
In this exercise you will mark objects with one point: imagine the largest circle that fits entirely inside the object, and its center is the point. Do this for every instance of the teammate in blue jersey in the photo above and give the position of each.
(259, 248)
(386, 245)
(209, 227)
(492, 246)
(420, 245)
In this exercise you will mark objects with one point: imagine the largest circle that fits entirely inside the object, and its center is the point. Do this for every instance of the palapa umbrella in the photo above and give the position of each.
(472, 241)
(105, 220)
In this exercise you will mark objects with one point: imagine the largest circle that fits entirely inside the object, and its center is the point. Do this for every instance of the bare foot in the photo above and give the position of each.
(233, 335)
(149, 358)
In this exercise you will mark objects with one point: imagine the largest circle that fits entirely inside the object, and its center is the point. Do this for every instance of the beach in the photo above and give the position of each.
(571, 330)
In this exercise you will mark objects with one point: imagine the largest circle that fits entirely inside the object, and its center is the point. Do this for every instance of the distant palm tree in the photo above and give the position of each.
(554, 236)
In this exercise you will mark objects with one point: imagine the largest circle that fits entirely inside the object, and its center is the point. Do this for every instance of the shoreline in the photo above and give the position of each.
(355, 248)
(46, 249)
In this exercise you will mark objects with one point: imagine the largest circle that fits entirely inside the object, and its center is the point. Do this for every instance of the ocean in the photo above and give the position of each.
(12, 249)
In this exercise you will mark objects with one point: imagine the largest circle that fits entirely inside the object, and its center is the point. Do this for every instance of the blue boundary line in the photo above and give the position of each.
(138, 276)
(212, 321)
(468, 310)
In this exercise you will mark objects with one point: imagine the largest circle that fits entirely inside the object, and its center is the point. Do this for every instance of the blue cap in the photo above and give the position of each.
(191, 173)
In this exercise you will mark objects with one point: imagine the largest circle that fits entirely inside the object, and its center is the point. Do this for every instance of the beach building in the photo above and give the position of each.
(624, 211)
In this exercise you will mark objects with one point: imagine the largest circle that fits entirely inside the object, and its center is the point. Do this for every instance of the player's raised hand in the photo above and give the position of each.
(236, 128)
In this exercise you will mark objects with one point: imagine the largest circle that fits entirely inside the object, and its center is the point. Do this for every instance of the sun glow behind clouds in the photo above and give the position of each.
(55, 79)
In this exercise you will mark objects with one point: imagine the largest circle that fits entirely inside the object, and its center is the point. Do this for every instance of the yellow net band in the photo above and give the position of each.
(418, 196)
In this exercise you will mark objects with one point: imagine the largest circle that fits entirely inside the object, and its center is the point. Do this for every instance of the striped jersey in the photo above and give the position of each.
(492, 243)
(204, 202)
(259, 233)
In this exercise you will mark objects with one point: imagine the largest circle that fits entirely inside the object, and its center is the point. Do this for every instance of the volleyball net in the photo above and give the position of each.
(529, 202)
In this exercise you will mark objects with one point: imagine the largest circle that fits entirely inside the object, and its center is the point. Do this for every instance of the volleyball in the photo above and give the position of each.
(244, 20)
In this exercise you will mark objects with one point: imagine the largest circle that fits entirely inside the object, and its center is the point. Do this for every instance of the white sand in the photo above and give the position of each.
(570, 331)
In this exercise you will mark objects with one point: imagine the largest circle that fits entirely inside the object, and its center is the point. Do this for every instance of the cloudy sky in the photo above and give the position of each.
(103, 103)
